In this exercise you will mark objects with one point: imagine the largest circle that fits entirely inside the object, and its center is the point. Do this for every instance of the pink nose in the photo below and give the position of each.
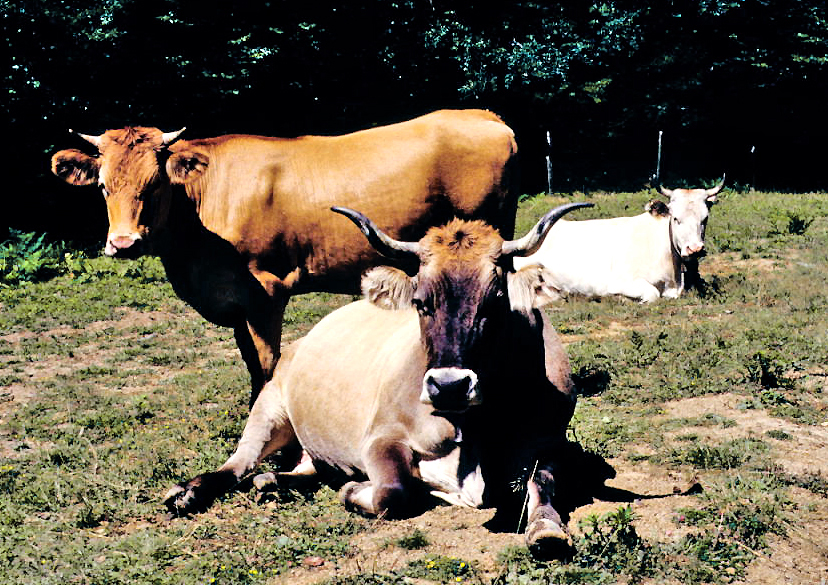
(122, 242)
(695, 249)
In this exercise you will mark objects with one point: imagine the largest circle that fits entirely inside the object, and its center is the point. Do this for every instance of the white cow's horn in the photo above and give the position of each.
(717, 188)
(168, 138)
(529, 243)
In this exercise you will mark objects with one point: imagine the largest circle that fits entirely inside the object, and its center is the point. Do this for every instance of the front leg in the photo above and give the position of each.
(259, 340)
(546, 534)
(391, 484)
(267, 430)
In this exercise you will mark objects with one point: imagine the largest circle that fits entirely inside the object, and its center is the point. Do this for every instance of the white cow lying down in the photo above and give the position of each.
(643, 257)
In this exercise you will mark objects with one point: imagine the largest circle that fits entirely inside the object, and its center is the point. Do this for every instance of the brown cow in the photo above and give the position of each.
(467, 396)
(241, 223)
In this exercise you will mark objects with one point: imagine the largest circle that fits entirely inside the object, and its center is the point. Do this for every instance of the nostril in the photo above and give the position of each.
(457, 385)
(122, 242)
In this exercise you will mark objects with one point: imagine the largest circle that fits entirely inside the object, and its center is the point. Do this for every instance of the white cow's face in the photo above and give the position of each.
(689, 210)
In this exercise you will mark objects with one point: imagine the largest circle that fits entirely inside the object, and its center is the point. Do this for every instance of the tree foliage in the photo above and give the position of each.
(735, 85)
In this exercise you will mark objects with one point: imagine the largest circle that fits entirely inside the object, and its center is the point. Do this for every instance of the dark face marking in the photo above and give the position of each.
(459, 292)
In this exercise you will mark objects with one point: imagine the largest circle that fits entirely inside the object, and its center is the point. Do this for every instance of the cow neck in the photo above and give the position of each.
(673, 249)
(183, 231)
(675, 255)
(189, 252)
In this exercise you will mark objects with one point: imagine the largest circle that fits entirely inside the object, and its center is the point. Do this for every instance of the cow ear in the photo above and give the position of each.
(531, 287)
(388, 288)
(657, 208)
(75, 167)
(185, 166)
(711, 199)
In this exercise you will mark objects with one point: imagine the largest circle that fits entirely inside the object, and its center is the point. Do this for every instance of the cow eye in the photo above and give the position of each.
(422, 307)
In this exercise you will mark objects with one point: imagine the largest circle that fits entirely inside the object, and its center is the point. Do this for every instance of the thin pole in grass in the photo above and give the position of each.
(658, 161)
(549, 162)
(525, 507)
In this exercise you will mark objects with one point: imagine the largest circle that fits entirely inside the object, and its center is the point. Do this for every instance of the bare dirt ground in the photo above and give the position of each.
(800, 557)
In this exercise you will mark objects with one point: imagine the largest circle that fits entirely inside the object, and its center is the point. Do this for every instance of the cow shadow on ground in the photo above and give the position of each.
(580, 475)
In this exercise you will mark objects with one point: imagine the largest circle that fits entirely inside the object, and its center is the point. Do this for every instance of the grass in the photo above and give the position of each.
(113, 390)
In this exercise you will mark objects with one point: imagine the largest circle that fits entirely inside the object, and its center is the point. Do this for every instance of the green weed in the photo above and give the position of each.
(416, 540)
(103, 417)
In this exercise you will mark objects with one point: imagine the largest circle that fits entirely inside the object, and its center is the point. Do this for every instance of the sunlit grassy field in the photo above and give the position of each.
(112, 390)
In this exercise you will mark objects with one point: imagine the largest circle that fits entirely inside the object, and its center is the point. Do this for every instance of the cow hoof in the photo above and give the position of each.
(547, 539)
(199, 493)
(265, 481)
(357, 497)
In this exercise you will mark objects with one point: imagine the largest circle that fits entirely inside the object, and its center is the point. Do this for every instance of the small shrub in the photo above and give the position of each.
(416, 540)
(779, 434)
(612, 543)
(767, 371)
(27, 257)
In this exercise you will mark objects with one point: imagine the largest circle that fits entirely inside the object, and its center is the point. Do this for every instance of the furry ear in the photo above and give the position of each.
(531, 287)
(388, 288)
(657, 208)
(185, 166)
(76, 167)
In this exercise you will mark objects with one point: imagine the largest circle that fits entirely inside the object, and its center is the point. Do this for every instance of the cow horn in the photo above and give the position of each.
(96, 140)
(717, 188)
(668, 193)
(529, 243)
(381, 242)
(168, 138)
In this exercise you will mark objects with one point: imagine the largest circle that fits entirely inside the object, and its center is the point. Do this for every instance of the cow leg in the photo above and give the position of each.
(388, 491)
(259, 341)
(638, 289)
(546, 534)
(267, 430)
(300, 476)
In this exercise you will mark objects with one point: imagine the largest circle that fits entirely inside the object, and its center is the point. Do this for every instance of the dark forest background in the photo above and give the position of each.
(736, 86)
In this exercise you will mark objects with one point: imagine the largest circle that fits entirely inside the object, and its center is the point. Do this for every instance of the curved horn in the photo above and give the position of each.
(717, 188)
(529, 243)
(96, 140)
(668, 193)
(381, 242)
(168, 138)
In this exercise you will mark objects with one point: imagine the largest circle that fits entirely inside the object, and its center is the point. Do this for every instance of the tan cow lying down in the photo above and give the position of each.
(241, 222)
(643, 257)
(452, 381)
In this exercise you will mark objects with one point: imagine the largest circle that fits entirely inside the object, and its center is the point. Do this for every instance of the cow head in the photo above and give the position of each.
(689, 210)
(465, 289)
(135, 169)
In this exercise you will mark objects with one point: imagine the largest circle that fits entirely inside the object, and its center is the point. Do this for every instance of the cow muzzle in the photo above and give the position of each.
(693, 251)
(124, 246)
(450, 389)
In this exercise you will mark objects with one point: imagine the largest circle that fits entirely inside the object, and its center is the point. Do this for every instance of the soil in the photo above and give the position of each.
(799, 557)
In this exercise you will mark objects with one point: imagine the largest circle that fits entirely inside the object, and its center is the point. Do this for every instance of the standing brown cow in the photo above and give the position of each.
(241, 223)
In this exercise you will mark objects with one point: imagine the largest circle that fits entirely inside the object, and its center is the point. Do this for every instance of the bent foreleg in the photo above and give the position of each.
(391, 480)
(546, 534)
(267, 430)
